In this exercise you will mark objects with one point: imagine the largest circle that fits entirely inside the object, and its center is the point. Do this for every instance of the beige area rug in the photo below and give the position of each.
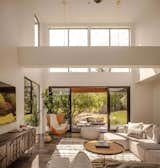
(68, 148)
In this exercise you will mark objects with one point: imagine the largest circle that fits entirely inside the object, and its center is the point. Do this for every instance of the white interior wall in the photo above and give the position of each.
(87, 79)
(147, 27)
(8, 19)
(17, 23)
(12, 73)
(142, 103)
(16, 30)
(146, 95)
(156, 101)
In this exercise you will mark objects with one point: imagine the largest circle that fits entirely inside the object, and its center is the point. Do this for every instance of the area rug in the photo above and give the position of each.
(68, 148)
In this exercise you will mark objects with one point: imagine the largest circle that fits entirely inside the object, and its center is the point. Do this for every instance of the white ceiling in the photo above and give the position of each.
(86, 11)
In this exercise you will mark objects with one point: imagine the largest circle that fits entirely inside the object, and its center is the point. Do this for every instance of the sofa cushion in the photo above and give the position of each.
(135, 148)
(156, 134)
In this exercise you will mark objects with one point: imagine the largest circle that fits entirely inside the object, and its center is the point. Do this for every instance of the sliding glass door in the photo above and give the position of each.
(89, 108)
(102, 107)
(119, 106)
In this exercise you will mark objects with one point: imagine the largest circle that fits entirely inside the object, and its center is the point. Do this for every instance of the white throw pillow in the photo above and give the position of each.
(135, 133)
(81, 161)
(135, 130)
(156, 134)
(135, 125)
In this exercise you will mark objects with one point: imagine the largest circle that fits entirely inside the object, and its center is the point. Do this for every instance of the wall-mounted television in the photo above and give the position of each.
(7, 103)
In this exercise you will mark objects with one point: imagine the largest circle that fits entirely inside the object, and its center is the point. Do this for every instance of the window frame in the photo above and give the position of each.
(31, 96)
(36, 22)
(60, 29)
(129, 37)
(100, 29)
(78, 29)
(89, 35)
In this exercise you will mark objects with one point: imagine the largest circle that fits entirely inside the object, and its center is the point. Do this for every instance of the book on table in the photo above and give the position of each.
(102, 144)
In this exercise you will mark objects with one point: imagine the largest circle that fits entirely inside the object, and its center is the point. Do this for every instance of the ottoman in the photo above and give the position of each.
(89, 133)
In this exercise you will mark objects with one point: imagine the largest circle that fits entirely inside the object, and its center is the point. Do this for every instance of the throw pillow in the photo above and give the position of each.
(156, 134)
(135, 133)
(148, 131)
(135, 125)
(81, 161)
(135, 130)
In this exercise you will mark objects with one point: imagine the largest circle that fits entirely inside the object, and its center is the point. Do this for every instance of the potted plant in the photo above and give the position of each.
(47, 101)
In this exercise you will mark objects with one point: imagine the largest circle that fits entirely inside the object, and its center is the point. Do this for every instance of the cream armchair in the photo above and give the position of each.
(55, 127)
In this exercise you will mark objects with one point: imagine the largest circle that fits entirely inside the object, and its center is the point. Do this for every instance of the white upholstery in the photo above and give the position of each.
(81, 161)
(156, 134)
(54, 123)
(150, 146)
(89, 133)
(145, 149)
(118, 138)
(135, 125)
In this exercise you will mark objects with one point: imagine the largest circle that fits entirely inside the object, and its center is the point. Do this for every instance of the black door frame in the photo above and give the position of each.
(108, 101)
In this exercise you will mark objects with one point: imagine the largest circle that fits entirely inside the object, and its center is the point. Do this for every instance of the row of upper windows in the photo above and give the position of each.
(89, 37)
(78, 69)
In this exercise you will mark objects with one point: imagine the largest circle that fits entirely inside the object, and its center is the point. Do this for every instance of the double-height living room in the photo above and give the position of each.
(79, 84)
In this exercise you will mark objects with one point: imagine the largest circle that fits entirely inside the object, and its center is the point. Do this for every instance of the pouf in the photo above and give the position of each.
(89, 133)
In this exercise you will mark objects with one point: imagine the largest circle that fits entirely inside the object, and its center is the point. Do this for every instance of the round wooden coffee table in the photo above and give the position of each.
(112, 150)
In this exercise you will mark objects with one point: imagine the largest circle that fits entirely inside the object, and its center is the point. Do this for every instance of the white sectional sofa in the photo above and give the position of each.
(145, 148)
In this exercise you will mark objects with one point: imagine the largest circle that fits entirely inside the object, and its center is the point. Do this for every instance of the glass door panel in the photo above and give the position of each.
(118, 107)
(61, 101)
(89, 108)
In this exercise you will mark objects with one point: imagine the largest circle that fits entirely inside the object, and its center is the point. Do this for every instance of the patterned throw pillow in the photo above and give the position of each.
(156, 134)
(135, 130)
(148, 131)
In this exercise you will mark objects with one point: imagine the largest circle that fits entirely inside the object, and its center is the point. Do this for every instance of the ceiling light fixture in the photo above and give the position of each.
(97, 1)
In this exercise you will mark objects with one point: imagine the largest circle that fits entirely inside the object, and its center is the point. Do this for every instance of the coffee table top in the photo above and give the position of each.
(112, 150)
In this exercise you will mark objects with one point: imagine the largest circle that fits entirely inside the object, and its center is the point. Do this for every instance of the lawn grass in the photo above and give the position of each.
(118, 117)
